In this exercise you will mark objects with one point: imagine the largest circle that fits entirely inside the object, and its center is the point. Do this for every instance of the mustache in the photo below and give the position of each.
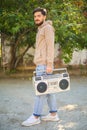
(37, 20)
(39, 23)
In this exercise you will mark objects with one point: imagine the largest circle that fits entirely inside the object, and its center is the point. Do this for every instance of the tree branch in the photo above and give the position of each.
(21, 55)
(21, 35)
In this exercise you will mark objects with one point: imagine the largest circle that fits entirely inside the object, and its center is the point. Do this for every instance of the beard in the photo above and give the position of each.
(38, 24)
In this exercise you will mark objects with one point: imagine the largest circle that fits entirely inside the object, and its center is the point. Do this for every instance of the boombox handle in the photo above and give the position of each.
(61, 69)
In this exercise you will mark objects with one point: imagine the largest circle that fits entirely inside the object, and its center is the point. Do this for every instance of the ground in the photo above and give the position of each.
(17, 99)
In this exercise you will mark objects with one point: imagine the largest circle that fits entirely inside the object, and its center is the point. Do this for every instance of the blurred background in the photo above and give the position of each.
(18, 31)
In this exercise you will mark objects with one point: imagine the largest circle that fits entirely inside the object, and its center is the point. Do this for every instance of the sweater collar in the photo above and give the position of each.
(45, 23)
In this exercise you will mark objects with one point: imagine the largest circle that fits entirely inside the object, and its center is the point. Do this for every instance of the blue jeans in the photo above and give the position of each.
(40, 100)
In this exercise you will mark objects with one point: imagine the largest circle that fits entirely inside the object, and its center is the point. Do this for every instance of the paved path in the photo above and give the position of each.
(17, 99)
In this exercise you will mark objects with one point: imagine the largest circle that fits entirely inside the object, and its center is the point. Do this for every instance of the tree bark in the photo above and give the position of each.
(13, 57)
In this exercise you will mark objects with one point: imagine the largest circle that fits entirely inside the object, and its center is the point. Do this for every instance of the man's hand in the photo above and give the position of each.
(49, 70)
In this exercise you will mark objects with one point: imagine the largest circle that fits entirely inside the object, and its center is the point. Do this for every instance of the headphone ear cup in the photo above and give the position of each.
(42, 87)
(63, 84)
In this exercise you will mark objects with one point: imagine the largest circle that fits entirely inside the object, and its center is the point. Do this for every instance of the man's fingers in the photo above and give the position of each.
(49, 70)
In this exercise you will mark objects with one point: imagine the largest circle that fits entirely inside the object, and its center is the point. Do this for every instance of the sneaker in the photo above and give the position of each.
(49, 117)
(31, 121)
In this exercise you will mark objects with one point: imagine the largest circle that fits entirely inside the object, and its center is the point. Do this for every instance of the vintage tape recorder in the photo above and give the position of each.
(56, 82)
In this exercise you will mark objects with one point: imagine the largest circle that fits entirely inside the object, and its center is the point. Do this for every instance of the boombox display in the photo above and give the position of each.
(52, 83)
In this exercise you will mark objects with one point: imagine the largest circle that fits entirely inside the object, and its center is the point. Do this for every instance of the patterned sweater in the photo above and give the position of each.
(44, 52)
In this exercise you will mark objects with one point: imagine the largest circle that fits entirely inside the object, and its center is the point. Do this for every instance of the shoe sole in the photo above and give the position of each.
(31, 124)
(50, 120)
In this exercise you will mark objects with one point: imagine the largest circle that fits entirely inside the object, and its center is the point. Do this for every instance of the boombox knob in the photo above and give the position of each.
(42, 87)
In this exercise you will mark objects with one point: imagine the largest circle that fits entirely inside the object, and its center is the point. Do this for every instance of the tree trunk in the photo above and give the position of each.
(14, 61)
(13, 57)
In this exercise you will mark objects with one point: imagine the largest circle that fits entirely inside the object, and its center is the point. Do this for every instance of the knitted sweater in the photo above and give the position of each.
(44, 52)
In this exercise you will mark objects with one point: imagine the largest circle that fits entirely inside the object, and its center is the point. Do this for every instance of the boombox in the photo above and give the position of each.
(58, 81)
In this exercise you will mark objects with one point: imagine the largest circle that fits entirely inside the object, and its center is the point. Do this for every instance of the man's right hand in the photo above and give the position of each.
(49, 70)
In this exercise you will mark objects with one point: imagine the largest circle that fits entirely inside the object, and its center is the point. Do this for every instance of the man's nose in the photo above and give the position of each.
(36, 18)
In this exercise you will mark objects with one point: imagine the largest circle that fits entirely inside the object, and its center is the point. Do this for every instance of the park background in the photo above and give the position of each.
(18, 31)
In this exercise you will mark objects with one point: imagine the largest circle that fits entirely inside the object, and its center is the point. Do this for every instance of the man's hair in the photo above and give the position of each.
(42, 10)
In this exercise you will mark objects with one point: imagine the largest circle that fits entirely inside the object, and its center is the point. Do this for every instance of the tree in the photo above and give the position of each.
(17, 23)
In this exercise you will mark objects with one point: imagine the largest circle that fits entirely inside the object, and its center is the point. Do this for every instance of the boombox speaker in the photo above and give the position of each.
(56, 82)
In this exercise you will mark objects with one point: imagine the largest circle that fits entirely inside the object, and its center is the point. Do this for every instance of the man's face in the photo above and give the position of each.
(39, 18)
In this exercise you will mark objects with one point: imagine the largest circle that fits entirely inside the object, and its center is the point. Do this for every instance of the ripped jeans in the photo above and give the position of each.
(40, 100)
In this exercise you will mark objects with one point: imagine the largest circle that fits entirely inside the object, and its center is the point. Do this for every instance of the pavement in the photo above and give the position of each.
(17, 100)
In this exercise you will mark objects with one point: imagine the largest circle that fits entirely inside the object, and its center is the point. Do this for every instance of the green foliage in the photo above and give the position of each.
(16, 21)
(70, 25)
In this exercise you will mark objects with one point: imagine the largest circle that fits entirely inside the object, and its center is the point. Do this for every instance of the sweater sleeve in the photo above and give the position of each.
(49, 37)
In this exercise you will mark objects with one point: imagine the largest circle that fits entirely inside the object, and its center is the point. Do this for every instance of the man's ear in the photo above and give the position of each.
(44, 17)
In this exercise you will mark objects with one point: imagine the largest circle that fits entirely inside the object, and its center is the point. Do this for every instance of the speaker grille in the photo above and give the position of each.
(63, 84)
(42, 87)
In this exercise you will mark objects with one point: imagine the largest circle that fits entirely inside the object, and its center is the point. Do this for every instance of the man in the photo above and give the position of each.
(44, 58)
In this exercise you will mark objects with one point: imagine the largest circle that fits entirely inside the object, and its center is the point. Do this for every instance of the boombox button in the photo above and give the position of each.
(65, 75)
(38, 78)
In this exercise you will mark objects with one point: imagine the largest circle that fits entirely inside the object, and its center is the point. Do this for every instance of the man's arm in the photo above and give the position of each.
(49, 37)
